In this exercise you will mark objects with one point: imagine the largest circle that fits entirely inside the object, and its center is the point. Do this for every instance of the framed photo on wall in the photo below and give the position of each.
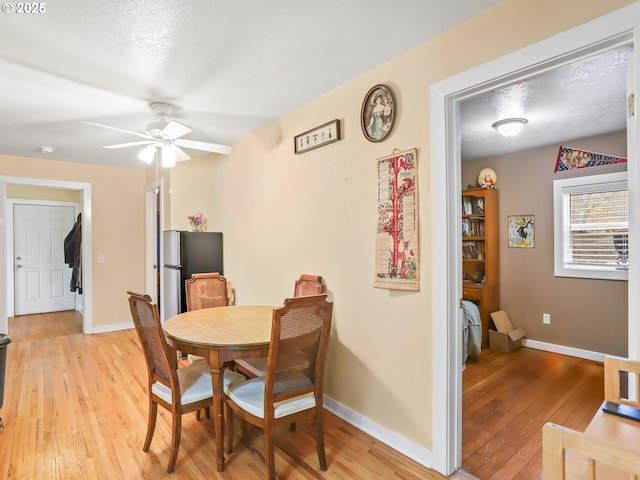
(522, 231)
(378, 113)
(317, 137)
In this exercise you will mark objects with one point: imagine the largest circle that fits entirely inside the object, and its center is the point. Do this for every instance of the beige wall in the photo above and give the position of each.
(284, 214)
(118, 227)
(585, 313)
(28, 192)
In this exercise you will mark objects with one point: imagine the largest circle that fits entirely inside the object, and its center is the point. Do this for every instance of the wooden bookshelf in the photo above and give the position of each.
(480, 253)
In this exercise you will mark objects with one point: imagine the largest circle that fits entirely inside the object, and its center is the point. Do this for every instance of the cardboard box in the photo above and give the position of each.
(505, 338)
(501, 342)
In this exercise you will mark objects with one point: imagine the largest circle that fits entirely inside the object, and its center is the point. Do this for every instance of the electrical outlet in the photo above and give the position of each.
(546, 318)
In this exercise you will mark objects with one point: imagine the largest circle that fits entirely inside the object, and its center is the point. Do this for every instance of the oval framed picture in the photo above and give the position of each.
(378, 113)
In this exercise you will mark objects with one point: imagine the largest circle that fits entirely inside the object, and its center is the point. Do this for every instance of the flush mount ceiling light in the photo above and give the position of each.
(509, 126)
(46, 149)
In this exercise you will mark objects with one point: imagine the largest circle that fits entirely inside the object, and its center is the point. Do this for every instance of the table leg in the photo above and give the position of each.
(217, 376)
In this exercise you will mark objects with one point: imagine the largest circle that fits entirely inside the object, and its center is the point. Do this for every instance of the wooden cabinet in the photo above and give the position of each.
(480, 253)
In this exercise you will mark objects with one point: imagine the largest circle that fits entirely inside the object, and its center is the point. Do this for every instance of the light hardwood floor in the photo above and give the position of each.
(75, 407)
(508, 397)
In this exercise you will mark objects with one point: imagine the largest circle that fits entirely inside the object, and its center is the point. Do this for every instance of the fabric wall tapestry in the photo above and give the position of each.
(573, 159)
(397, 232)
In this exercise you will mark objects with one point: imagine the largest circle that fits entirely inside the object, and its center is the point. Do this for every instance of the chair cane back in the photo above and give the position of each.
(304, 286)
(179, 390)
(206, 290)
(288, 392)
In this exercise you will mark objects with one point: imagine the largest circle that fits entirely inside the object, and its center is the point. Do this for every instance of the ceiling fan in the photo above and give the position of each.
(163, 139)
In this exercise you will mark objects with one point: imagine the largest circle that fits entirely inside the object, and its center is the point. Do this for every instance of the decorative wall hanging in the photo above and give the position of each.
(317, 137)
(522, 231)
(573, 159)
(397, 248)
(378, 113)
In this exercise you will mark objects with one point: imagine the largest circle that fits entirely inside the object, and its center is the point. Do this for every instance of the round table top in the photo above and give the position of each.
(237, 325)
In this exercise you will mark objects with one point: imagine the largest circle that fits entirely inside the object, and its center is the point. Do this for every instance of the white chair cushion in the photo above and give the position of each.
(249, 395)
(195, 383)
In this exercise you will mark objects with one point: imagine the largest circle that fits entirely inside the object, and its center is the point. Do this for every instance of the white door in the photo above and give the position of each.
(41, 277)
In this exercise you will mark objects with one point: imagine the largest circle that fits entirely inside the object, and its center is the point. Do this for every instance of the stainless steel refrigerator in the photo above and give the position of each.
(183, 254)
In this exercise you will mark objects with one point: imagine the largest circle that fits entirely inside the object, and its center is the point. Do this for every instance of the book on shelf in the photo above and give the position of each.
(473, 227)
(467, 205)
(469, 250)
(472, 250)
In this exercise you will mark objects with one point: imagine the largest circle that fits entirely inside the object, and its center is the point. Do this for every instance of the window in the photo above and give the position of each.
(591, 224)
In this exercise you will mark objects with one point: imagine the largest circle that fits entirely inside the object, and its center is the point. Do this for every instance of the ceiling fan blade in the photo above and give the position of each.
(130, 144)
(143, 135)
(181, 156)
(207, 147)
(175, 130)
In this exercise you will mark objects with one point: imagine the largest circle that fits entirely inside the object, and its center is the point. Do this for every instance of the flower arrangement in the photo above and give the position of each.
(196, 221)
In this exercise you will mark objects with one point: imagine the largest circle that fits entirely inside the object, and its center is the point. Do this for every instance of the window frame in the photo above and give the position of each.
(582, 184)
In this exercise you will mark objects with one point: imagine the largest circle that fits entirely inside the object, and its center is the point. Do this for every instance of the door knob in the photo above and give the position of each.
(18, 266)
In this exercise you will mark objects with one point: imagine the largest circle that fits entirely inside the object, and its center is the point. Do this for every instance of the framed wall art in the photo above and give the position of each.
(397, 245)
(522, 231)
(317, 137)
(378, 113)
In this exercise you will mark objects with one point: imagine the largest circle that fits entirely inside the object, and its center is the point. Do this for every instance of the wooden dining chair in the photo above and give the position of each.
(179, 390)
(305, 285)
(205, 290)
(308, 285)
(287, 393)
(622, 381)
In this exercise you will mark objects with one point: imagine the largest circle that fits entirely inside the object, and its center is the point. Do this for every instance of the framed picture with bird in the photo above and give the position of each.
(521, 231)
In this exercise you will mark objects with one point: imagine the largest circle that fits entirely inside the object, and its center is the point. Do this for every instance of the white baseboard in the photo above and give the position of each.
(573, 352)
(114, 327)
(406, 447)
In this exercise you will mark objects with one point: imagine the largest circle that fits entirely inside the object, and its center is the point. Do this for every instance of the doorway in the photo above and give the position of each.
(611, 30)
(154, 220)
(6, 240)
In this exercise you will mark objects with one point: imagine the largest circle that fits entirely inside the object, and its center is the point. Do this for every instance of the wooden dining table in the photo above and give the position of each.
(221, 334)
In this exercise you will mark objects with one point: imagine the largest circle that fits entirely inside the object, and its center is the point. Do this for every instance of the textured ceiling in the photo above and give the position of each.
(582, 99)
(228, 66)
(232, 66)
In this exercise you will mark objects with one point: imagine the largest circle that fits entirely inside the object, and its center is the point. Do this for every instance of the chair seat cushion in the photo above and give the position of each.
(249, 395)
(195, 383)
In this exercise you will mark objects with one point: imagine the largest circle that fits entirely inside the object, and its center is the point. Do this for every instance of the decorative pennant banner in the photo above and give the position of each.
(573, 159)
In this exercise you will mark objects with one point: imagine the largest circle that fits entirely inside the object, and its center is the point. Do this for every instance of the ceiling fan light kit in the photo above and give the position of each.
(168, 157)
(147, 154)
(509, 126)
(163, 138)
